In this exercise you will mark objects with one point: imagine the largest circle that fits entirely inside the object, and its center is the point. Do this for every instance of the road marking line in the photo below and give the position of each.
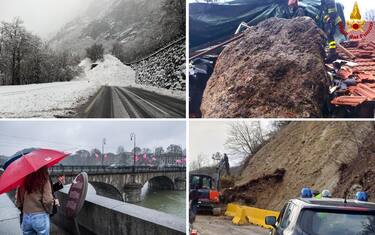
(94, 101)
(120, 112)
(147, 102)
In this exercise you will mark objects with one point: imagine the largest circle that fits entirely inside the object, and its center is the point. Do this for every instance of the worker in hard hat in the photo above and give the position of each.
(306, 193)
(361, 196)
(295, 9)
(326, 194)
(331, 20)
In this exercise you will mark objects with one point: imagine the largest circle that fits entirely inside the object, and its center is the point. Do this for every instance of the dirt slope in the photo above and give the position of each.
(319, 155)
(275, 70)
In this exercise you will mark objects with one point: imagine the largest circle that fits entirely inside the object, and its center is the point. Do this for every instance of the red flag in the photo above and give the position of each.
(145, 157)
(97, 155)
(136, 158)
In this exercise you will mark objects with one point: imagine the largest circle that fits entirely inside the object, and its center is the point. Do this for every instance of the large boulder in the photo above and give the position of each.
(276, 70)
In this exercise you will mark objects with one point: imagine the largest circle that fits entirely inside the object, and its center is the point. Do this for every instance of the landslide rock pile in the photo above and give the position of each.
(337, 156)
(165, 69)
(275, 70)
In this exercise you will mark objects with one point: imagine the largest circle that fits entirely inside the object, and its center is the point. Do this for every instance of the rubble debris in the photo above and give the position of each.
(311, 154)
(359, 174)
(275, 70)
(248, 193)
(363, 72)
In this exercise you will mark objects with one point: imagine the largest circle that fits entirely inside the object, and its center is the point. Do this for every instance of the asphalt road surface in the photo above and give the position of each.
(131, 102)
(213, 225)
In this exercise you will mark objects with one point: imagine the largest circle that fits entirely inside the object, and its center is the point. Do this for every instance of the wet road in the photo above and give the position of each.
(9, 216)
(213, 225)
(131, 102)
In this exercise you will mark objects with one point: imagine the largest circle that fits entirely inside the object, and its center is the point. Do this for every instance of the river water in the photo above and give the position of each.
(168, 201)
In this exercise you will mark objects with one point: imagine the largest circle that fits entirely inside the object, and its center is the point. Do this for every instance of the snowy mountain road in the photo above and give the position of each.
(131, 102)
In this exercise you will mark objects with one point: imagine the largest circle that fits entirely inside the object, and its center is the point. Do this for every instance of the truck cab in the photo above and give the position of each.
(310, 216)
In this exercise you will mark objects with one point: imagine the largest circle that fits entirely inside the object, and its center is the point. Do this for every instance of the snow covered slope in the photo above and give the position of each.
(44, 100)
(62, 98)
(141, 26)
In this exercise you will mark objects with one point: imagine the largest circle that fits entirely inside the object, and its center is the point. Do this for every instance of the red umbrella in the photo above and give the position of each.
(16, 172)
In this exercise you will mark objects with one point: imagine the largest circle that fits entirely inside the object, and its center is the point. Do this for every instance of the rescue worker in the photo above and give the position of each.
(331, 20)
(306, 193)
(326, 194)
(361, 196)
(295, 9)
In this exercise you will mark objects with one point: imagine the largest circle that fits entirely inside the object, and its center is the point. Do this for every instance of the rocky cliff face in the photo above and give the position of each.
(337, 156)
(275, 70)
(142, 26)
(165, 68)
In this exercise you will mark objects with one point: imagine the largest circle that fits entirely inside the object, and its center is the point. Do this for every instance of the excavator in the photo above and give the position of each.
(204, 194)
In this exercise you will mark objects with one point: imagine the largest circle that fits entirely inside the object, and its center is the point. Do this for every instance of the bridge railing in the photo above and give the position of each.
(57, 170)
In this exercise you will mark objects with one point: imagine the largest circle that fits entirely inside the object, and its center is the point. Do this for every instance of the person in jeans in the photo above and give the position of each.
(36, 200)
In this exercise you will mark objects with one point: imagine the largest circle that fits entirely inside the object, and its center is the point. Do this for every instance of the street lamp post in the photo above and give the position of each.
(103, 143)
(133, 138)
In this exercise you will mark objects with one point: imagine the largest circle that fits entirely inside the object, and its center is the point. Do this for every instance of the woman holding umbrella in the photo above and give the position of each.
(36, 200)
(29, 174)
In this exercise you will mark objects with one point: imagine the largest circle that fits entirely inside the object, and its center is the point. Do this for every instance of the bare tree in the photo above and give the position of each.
(200, 162)
(245, 137)
(159, 151)
(120, 149)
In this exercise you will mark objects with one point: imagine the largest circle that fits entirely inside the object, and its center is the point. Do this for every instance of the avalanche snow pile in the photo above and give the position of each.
(109, 72)
(275, 70)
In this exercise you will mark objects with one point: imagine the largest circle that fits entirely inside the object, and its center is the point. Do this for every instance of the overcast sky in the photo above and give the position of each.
(208, 137)
(42, 17)
(73, 135)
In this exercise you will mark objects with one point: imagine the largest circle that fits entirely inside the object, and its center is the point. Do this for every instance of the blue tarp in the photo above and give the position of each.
(214, 22)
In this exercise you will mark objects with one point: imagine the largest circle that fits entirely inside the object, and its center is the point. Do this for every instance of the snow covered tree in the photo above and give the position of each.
(25, 59)
(95, 52)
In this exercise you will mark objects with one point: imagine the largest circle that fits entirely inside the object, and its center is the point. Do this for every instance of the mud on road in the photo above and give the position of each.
(213, 225)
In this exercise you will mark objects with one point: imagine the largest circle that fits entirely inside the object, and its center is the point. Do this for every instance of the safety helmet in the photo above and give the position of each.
(306, 193)
(361, 196)
(326, 193)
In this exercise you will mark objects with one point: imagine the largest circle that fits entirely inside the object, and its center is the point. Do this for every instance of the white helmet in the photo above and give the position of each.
(326, 193)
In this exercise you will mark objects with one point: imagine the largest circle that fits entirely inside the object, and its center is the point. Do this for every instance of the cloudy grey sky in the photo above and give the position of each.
(42, 17)
(70, 135)
(208, 137)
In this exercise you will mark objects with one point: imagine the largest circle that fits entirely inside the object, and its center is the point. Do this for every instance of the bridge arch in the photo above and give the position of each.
(161, 182)
(107, 190)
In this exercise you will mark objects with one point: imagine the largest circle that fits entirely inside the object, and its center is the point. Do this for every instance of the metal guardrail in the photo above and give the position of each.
(57, 170)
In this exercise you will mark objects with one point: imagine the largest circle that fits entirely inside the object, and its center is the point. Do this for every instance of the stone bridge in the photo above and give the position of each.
(125, 183)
